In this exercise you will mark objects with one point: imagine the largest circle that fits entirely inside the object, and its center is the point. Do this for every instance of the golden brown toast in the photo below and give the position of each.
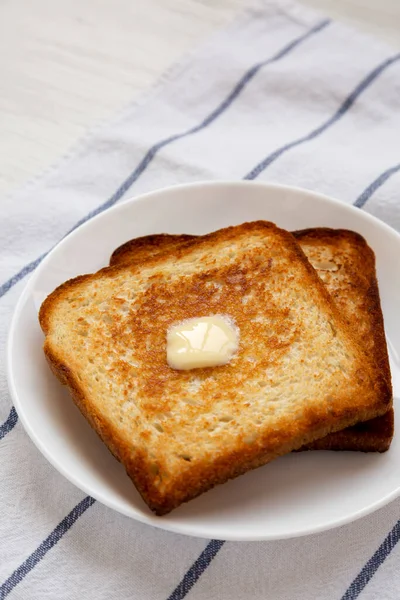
(346, 265)
(299, 373)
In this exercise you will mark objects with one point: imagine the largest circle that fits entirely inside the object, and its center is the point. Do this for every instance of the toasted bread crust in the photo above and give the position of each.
(164, 484)
(373, 436)
(142, 248)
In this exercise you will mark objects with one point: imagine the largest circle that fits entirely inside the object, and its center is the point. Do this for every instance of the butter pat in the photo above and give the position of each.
(201, 342)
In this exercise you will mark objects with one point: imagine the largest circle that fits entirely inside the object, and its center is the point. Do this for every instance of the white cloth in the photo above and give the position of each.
(321, 112)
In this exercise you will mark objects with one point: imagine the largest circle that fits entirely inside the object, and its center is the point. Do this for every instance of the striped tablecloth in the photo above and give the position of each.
(284, 95)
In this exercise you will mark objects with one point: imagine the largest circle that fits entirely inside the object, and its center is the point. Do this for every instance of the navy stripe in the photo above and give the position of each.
(36, 556)
(347, 104)
(144, 163)
(369, 570)
(20, 275)
(375, 185)
(196, 570)
(9, 424)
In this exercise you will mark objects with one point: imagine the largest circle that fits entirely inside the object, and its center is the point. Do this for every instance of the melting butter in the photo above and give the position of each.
(201, 342)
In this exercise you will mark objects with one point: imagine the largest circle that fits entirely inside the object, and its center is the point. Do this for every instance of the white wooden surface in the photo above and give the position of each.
(67, 64)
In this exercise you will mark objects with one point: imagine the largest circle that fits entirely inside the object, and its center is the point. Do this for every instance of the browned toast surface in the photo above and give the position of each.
(298, 375)
(346, 264)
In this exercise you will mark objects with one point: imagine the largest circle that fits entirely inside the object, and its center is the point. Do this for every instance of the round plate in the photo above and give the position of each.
(295, 495)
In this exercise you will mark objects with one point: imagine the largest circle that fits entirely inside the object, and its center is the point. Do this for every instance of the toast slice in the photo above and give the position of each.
(346, 265)
(298, 375)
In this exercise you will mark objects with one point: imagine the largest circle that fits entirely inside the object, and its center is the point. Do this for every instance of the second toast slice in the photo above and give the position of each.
(346, 265)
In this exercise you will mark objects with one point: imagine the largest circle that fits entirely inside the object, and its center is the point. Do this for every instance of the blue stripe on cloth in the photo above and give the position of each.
(370, 568)
(196, 570)
(9, 423)
(36, 556)
(342, 110)
(375, 185)
(20, 275)
(144, 163)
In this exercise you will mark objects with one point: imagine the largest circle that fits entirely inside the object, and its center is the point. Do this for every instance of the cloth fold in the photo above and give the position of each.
(284, 95)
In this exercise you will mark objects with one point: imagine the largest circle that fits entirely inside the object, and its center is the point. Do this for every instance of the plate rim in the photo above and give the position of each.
(179, 527)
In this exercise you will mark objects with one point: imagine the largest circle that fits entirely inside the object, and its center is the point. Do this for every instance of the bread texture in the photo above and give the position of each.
(299, 373)
(346, 265)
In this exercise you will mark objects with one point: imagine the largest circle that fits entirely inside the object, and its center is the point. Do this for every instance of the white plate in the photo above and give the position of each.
(295, 495)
